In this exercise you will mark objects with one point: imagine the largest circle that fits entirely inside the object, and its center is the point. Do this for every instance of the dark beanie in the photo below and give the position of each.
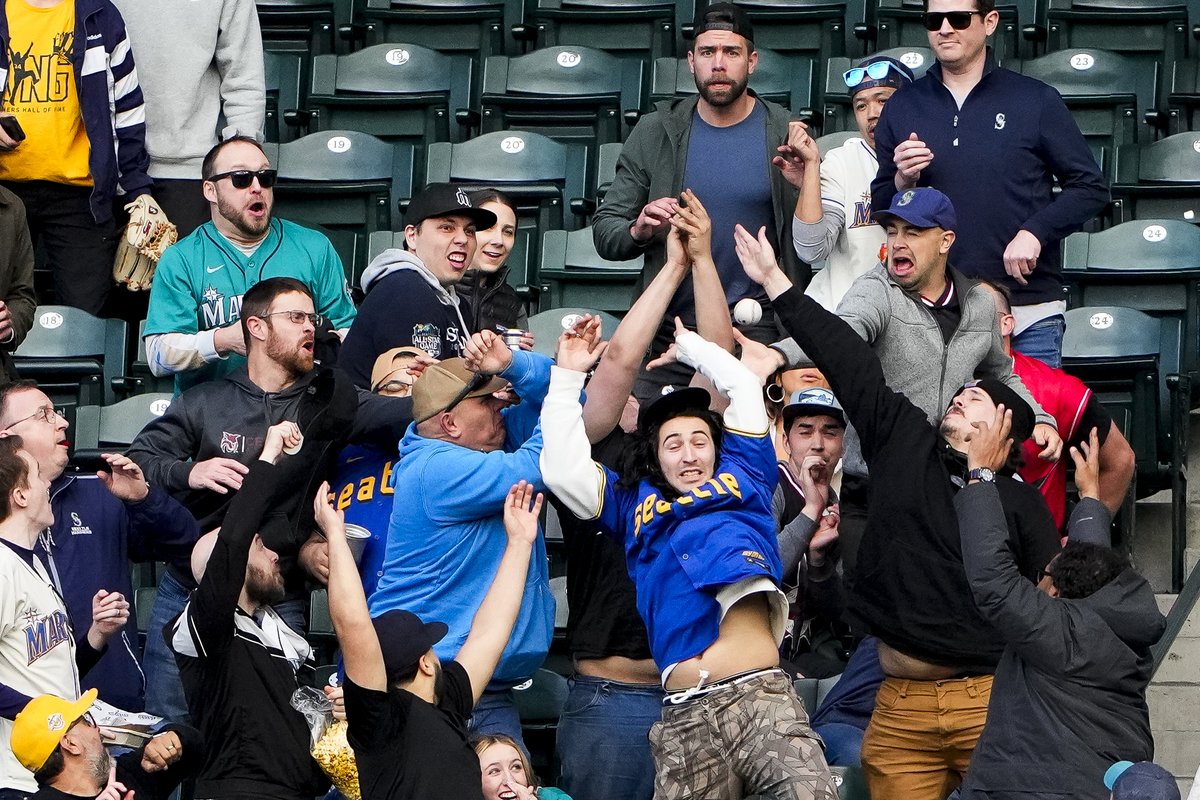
(1022, 415)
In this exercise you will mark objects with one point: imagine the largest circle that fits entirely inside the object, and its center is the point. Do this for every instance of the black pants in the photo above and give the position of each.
(184, 203)
(79, 251)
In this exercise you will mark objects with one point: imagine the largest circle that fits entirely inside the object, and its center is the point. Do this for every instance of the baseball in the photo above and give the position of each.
(747, 311)
(291, 451)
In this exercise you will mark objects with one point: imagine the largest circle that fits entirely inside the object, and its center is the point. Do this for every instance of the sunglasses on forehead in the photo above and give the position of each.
(242, 178)
(876, 72)
(959, 20)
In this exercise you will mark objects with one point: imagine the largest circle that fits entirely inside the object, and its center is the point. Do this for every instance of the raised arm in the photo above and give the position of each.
(497, 613)
(361, 654)
(746, 412)
(694, 227)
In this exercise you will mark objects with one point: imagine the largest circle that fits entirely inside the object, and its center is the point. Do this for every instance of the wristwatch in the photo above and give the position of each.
(982, 474)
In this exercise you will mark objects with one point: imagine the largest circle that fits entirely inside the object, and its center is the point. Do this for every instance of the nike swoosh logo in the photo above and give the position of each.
(211, 270)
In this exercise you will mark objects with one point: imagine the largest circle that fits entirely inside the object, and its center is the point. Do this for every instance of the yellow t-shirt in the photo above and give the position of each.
(41, 91)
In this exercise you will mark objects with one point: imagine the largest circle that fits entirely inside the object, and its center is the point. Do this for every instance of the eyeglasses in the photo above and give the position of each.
(876, 72)
(475, 384)
(242, 178)
(298, 317)
(396, 388)
(47, 414)
(959, 20)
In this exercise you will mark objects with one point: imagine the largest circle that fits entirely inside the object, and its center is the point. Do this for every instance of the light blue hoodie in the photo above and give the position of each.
(446, 535)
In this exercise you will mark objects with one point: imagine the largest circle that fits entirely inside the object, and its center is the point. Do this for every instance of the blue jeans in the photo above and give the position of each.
(1042, 340)
(843, 715)
(496, 712)
(164, 690)
(603, 739)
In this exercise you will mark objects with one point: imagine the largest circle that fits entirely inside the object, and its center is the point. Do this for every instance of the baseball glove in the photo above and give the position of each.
(148, 234)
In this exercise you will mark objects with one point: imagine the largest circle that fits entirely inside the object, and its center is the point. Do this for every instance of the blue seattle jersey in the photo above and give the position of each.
(201, 279)
(680, 552)
(362, 488)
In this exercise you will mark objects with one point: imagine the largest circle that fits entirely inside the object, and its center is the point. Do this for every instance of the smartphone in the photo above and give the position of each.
(682, 201)
(13, 128)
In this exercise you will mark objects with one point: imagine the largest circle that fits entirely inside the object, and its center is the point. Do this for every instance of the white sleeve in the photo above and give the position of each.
(169, 353)
(746, 412)
(567, 467)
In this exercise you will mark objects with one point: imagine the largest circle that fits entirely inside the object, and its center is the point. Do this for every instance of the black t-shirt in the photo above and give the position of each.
(604, 620)
(408, 748)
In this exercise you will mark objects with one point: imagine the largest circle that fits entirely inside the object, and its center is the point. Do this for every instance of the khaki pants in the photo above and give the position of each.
(921, 736)
(746, 738)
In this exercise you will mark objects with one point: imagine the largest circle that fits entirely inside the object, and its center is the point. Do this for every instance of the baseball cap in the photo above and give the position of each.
(1022, 415)
(40, 726)
(672, 403)
(922, 207)
(877, 71)
(446, 200)
(448, 383)
(724, 17)
(386, 363)
(813, 402)
(1144, 780)
(404, 638)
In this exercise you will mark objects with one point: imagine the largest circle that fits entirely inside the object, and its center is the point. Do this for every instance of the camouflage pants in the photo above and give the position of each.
(746, 738)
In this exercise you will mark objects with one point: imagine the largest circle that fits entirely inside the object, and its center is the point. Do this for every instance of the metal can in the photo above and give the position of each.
(513, 337)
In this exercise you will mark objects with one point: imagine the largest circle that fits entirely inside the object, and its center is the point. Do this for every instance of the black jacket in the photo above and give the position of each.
(492, 301)
(908, 586)
(1069, 697)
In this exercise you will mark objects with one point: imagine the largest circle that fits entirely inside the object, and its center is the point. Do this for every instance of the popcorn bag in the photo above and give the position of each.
(330, 747)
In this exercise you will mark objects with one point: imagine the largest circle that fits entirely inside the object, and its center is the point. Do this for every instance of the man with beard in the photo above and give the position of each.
(201, 448)
(238, 657)
(698, 143)
(198, 289)
(59, 742)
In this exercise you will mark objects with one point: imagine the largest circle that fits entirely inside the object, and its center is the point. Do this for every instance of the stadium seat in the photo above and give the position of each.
(606, 168)
(1182, 81)
(1116, 352)
(347, 182)
(897, 23)
(838, 115)
(1159, 180)
(787, 79)
(572, 273)
(301, 26)
(558, 587)
(320, 626)
(1107, 94)
(284, 79)
(475, 28)
(833, 140)
(639, 29)
(73, 356)
(113, 428)
(571, 94)
(395, 92)
(540, 702)
(143, 604)
(138, 378)
(541, 175)
(851, 783)
(547, 326)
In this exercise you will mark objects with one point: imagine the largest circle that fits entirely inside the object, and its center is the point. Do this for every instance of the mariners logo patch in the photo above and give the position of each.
(906, 198)
(77, 526)
(231, 442)
(428, 337)
(55, 722)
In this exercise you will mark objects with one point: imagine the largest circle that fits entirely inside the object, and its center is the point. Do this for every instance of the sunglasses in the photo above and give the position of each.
(477, 382)
(959, 20)
(876, 72)
(242, 178)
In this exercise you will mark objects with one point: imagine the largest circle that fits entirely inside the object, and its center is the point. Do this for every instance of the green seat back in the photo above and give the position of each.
(572, 273)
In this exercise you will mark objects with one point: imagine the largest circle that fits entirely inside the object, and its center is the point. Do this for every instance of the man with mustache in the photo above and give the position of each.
(698, 143)
(196, 300)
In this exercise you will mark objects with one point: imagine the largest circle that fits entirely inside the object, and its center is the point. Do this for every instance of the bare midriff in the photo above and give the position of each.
(901, 665)
(745, 642)
(619, 668)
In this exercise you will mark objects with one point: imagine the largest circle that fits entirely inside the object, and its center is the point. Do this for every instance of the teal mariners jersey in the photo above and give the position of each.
(682, 550)
(201, 279)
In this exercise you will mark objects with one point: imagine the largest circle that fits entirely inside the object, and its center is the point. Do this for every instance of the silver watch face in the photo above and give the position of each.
(983, 474)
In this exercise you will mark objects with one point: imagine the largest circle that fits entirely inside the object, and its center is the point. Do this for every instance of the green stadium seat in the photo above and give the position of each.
(838, 115)
(399, 93)
(143, 603)
(572, 273)
(569, 93)
(100, 429)
(606, 168)
(897, 23)
(347, 182)
(851, 783)
(787, 79)
(301, 26)
(320, 626)
(540, 702)
(1182, 82)
(475, 28)
(541, 176)
(639, 29)
(73, 356)
(547, 326)
(284, 78)
(558, 587)
(1159, 180)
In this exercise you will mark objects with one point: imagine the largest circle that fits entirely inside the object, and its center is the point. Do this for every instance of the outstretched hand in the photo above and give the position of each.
(487, 353)
(694, 225)
(125, 479)
(671, 354)
(580, 347)
(990, 444)
(755, 253)
(521, 511)
(798, 155)
(330, 520)
(757, 357)
(1087, 466)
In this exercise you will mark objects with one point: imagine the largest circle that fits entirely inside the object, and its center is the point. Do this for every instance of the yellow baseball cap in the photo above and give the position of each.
(41, 725)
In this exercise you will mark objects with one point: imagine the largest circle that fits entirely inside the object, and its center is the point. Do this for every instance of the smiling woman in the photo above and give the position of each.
(492, 299)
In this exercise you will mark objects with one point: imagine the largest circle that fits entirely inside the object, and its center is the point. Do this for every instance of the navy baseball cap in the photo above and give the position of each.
(673, 402)
(1144, 780)
(811, 403)
(877, 71)
(922, 207)
(404, 638)
(446, 200)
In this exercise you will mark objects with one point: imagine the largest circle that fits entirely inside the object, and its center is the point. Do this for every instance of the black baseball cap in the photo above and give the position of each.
(1023, 418)
(404, 638)
(724, 17)
(446, 200)
(673, 402)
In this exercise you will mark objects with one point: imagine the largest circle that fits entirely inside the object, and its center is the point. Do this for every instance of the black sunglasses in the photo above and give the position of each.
(959, 20)
(242, 178)
(476, 383)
